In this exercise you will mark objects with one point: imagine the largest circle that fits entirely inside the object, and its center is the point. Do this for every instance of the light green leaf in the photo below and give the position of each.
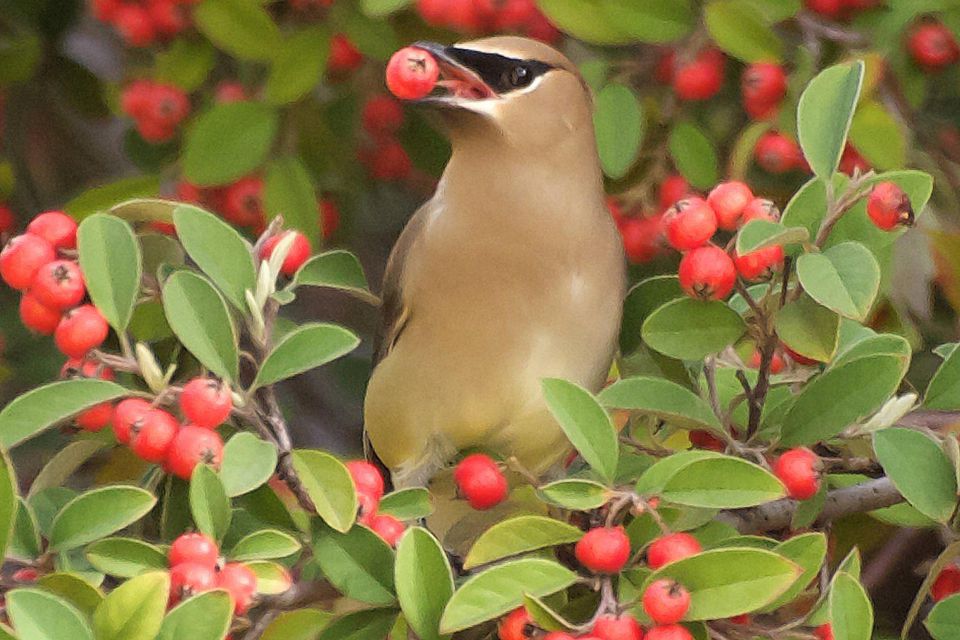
(205, 616)
(24, 543)
(104, 197)
(228, 141)
(306, 347)
(585, 20)
(851, 614)
(38, 615)
(943, 392)
(943, 621)
(242, 28)
(580, 495)
(186, 63)
(585, 423)
(111, 265)
(9, 502)
(134, 610)
(807, 208)
(248, 462)
(649, 20)
(691, 329)
(358, 563)
(722, 483)
(618, 121)
(288, 192)
(369, 624)
(329, 486)
(643, 299)
(844, 278)
(265, 544)
(383, 8)
(808, 328)
(73, 588)
(694, 155)
(808, 550)
(407, 504)
(125, 557)
(64, 463)
(760, 234)
(209, 503)
(338, 270)
(298, 66)
(919, 469)
(424, 582)
(824, 115)
(272, 578)
(519, 535)
(300, 624)
(877, 136)
(98, 513)
(667, 400)
(655, 478)
(739, 30)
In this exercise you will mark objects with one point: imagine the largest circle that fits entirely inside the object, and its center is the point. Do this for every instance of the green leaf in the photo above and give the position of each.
(125, 557)
(492, 593)
(39, 409)
(98, 513)
(218, 250)
(248, 462)
(205, 616)
(186, 63)
(376, 39)
(24, 544)
(807, 208)
(643, 299)
(134, 610)
(104, 197)
(383, 8)
(691, 329)
(619, 125)
(919, 469)
(266, 544)
(878, 137)
(584, 20)
(111, 265)
(242, 28)
(229, 140)
(738, 30)
(272, 578)
(844, 278)
(335, 269)
(38, 615)
(729, 582)
(824, 115)
(370, 624)
(808, 550)
(649, 20)
(424, 582)
(851, 614)
(840, 397)
(722, 483)
(882, 344)
(545, 617)
(288, 192)
(329, 486)
(199, 317)
(300, 624)
(307, 347)
(655, 478)
(519, 535)
(809, 328)
(9, 502)
(407, 504)
(585, 423)
(579, 495)
(694, 155)
(943, 392)
(298, 66)
(358, 563)
(209, 503)
(666, 400)
(943, 621)
(74, 589)
(65, 463)
(760, 234)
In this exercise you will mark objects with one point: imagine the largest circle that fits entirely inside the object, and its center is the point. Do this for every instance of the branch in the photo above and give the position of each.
(874, 494)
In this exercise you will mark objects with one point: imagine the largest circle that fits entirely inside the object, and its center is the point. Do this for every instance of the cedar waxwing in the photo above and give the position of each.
(513, 271)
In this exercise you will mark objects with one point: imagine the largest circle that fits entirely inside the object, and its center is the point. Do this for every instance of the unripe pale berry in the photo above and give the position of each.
(188, 579)
(799, 471)
(480, 481)
(946, 583)
(889, 206)
(759, 264)
(22, 257)
(388, 528)
(366, 478)
(623, 627)
(776, 153)
(603, 550)
(37, 316)
(55, 227)
(80, 330)
(296, 256)
(241, 583)
(670, 548)
(669, 632)
(707, 273)
(728, 200)
(194, 547)
(666, 601)
(515, 625)
(192, 446)
(932, 46)
(206, 402)
(412, 73)
(702, 77)
(128, 417)
(689, 223)
(151, 439)
(59, 284)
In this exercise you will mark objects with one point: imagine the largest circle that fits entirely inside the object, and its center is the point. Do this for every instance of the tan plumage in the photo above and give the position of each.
(511, 273)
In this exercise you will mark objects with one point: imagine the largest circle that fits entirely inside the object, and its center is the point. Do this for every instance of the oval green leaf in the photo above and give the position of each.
(722, 482)
(919, 469)
(358, 563)
(519, 535)
(242, 28)
(407, 504)
(229, 140)
(134, 610)
(586, 424)
(248, 462)
(579, 495)
(98, 513)
(305, 348)
(943, 621)
(690, 329)
(125, 557)
(289, 192)
(337, 270)
(851, 614)
(618, 123)
(824, 115)
(111, 264)
(329, 486)
(424, 582)
(809, 328)
(205, 616)
(38, 615)
(266, 544)
(667, 400)
(845, 278)
(760, 234)
(737, 29)
(943, 392)
(209, 503)
(694, 155)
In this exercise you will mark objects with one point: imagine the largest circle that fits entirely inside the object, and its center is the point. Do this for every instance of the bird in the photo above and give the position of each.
(511, 273)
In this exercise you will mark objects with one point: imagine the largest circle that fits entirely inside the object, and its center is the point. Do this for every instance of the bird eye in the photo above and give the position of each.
(518, 76)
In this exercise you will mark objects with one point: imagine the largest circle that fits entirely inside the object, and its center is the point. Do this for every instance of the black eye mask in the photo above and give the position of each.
(500, 73)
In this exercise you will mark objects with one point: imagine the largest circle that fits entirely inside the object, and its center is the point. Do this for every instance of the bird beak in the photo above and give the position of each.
(460, 86)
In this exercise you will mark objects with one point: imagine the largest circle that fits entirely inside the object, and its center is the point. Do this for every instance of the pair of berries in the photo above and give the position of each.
(370, 487)
(763, 86)
(697, 78)
(488, 16)
(480, 481)
(194, 568)
(144, 22)
(799, 470)
(157, 109)
(933, 46)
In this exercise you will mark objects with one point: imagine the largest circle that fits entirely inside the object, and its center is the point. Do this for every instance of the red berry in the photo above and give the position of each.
(707, 273)
(344, 57)
(106, 10)
(243, 201)
(151, 439)
(296, 256)
(77, 368)
(95, 418)
(168, 106)
(889, 206)
(135, 98)
(7, 219)
(128, 418)
(168, 17)
(367, 505)
(642, 237)
(946, 583)
(603, 550)
(366, 478)
(701, 78)
(188, 579)
(689, 223)
(760, 209)
(59, 284)
(25, 574)
(674, 187)
(669, 632)
(134, 24)
(932, 46)
(516, 625)
(55, 227)
(388, 161)
(728, 200)
(206, 402)
(38, 317)
(763, 83)
(666, 601)
(80, 330)
(624, 627)
(665, 67)
(412, 73)
(382, 115)
(194, 548)
(241, 583)
(22, 258)
(776, 362)
(824, 632)
(388, 528)
(851, 161)
(799, 470)
(670, 548)
(559, 635)
(776, 153)
(759, 264)
(743, 618)
(480, 481)
(192, 446)
(228, 92)
(827, 8)
(329, 218)
(706, 440)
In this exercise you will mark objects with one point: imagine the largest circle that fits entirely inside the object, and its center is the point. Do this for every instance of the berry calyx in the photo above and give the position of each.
(707, 273)
(37, 316)
(194, 548)
(946, 583)
(760, 209)
(192, 446)
(666, 601)
(759, 264)
(388, 528)
(80, 330)
(22, 257)
(241, 583)
(480, 481)
(188, 579)
(728, 200)
(889, 206)
(516, 625)
(799, 471)
(59, 284)
(366, 478)
(603, 550)
(689, 223)
(624, 627)
(128, 417)
(206, 402)
(296, 256)
(412, 73)
(55, 227)
(670, 548)
(151, 439)
(669, 632)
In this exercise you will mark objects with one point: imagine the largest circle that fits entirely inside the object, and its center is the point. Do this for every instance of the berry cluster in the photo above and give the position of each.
(370, 487)
(480, 481)
(487, 16)
(195, 567)
(157, 109)
(142, 23)
(839, 9)
(382, 154)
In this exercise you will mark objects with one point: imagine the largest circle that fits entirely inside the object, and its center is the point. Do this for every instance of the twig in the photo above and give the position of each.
(855, 191)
